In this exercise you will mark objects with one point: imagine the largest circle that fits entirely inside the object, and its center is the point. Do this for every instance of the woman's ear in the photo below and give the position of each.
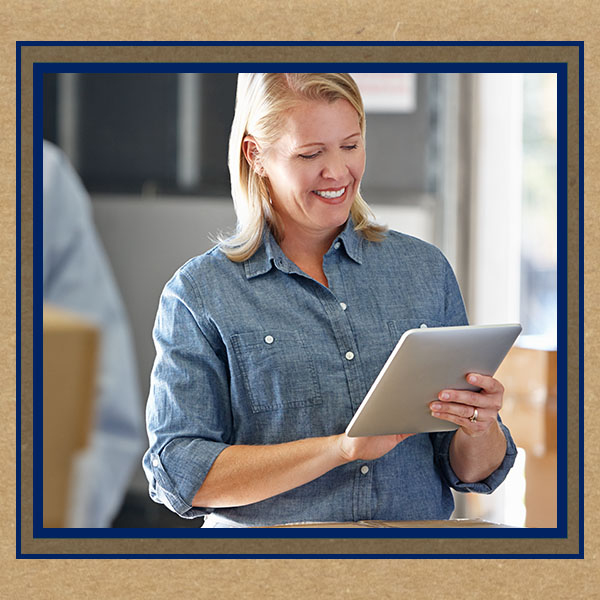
(252, 154)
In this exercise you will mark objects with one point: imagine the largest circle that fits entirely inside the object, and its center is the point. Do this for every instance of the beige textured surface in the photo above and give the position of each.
(275, 578)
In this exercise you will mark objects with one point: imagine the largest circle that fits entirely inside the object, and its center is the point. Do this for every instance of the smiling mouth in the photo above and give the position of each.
(330, 194)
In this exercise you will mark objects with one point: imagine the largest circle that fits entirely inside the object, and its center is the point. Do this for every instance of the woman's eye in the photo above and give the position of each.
(308, 156)
(353, 147)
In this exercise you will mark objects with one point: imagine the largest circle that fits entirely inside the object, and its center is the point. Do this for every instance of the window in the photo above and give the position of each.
(539, 208)
(143, 133)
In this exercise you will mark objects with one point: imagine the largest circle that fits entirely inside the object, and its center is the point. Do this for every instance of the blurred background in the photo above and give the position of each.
(465, 161)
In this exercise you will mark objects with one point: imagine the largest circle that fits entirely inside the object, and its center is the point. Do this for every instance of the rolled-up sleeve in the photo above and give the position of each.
(441, 445)
(455, 315)
(188, 414)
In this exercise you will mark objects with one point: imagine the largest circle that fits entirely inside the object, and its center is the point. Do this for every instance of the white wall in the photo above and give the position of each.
(146, 241)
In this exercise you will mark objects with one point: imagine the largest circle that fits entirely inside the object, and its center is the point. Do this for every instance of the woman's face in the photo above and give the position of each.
(314, 169)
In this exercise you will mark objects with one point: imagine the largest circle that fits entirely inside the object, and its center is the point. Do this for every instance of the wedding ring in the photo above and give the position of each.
(473, 418)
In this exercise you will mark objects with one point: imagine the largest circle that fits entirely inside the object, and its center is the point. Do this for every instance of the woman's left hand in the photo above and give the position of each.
(473, 412)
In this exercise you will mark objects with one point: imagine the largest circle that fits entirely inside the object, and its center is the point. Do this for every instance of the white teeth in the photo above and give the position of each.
(331, 194)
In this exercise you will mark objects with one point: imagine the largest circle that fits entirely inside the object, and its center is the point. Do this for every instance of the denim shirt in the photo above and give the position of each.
(260, 353)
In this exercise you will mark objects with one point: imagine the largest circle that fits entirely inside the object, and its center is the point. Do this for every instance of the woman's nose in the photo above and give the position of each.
(335, 166)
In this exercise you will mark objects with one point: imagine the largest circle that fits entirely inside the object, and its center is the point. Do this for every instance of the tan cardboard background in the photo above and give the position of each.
(270, 578)
(139, 54)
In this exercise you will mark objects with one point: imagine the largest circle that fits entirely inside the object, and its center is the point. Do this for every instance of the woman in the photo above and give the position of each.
(267, 344)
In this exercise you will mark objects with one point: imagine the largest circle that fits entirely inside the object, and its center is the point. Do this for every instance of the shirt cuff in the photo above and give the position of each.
(189, 474)
(487, 485)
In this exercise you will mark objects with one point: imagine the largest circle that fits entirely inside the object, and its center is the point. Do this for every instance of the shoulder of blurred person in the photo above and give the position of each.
(66, 210)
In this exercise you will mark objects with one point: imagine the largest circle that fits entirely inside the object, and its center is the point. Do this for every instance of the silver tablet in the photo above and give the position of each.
(424, 362)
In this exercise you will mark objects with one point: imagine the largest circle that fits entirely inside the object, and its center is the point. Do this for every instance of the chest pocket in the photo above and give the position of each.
(277, 368)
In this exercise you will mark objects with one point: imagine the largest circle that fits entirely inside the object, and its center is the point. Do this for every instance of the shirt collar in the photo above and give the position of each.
(352, 241)
(269, 253)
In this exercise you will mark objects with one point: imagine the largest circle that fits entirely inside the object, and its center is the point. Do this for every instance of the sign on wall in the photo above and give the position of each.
(388, 92)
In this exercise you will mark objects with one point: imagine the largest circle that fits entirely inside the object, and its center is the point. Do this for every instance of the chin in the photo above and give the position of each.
(333, 218)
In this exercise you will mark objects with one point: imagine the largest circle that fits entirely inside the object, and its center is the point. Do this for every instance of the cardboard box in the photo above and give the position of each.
(402, 524)
(529, 376)
(529, 411)
(70, 354)
(541, 490)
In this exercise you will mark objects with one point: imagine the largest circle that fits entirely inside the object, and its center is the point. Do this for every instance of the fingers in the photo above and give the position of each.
(463, 412)
(457, 413)
(488, 384)
(470, 400)
(459, 406)
(490, 396)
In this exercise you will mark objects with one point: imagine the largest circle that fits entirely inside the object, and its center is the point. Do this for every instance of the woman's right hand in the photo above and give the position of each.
(368, 448)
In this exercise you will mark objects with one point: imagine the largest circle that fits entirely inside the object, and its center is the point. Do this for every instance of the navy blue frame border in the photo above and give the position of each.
(560, 69)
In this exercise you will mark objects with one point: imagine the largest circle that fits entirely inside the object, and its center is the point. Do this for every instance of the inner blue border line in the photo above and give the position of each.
(306, 533)
(294, 67)
(40, 532)
(562, 390)
(38, 308)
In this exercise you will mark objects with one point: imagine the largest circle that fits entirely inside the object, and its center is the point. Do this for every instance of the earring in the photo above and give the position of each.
(256, 164)
(259, 169)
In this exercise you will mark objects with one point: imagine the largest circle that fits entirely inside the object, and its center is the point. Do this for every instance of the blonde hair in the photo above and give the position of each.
(262, 101)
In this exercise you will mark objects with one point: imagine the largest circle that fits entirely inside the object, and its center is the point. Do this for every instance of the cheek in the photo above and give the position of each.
(304, 177)
(358, 166)
(295, 182)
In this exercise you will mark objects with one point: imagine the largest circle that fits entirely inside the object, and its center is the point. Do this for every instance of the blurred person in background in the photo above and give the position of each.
(77, 277)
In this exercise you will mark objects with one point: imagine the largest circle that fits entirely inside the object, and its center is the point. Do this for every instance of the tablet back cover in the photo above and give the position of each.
(424, 362)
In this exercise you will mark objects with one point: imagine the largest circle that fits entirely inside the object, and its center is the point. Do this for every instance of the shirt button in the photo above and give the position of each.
(269, 339)
(155, 462)
(349, 355)
(336, 245)
(364, 469)
(423, 325)
(343, 305)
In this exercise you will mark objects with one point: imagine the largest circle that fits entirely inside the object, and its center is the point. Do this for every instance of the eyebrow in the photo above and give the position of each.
(352, 135)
